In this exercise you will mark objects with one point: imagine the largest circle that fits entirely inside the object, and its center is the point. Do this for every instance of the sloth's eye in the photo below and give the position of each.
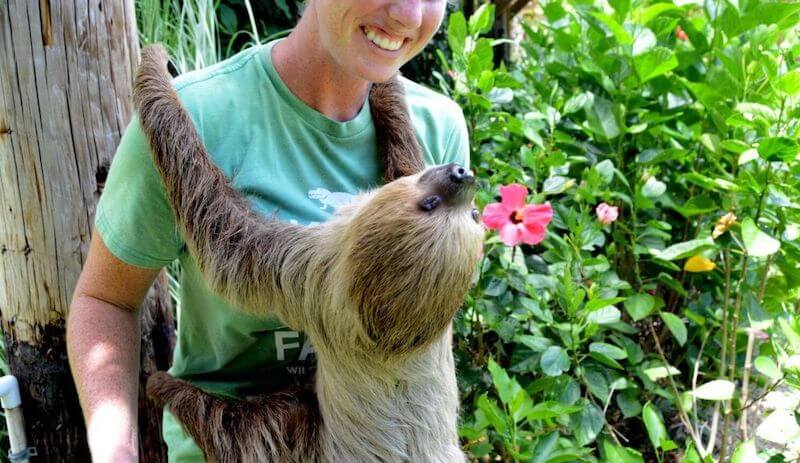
(476, 216)
(430, 203)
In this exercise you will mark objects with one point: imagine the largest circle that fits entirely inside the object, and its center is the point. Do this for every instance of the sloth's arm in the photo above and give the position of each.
(254, 262)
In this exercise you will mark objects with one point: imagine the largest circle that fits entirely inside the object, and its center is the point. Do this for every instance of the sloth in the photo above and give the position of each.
(375, 288)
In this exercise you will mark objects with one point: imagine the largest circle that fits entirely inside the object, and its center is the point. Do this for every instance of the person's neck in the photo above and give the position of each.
(313, 76)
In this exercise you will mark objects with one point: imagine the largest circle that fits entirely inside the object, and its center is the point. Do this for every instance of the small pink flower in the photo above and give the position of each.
(680, 34)
(606, 213)
(516, 221)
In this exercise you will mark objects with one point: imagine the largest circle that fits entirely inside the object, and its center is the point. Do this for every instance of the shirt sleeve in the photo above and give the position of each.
(457, 147)
(133, 216)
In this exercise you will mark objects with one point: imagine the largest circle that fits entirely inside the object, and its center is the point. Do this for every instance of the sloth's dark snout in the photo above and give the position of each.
(459, 174)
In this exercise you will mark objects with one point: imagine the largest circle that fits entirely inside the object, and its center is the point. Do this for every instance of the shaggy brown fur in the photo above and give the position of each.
(287, 420)
(375, 288)
(397, 144)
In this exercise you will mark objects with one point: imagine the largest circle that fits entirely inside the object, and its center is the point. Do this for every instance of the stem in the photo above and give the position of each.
(723, 364)
(695, 374)
(681, 412)
(751, 337)
(732, 366)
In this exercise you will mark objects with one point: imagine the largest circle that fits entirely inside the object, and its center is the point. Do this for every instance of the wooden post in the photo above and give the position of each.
(66, 71)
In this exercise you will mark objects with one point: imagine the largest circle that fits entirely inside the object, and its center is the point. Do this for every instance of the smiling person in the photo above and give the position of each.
(289, 122)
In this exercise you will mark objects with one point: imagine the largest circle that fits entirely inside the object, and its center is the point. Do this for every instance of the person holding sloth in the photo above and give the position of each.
(281, 120)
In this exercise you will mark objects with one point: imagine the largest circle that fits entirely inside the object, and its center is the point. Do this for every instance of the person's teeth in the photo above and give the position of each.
(382, 42)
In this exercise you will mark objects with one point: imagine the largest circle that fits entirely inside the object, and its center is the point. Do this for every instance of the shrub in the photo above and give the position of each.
(662, 304)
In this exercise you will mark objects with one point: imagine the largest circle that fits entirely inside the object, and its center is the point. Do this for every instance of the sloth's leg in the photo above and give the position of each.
(281, 426)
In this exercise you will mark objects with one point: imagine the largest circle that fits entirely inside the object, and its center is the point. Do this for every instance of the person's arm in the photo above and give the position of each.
(103, 344)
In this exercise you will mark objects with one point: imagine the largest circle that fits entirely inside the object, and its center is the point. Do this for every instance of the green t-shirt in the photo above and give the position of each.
(290, 161)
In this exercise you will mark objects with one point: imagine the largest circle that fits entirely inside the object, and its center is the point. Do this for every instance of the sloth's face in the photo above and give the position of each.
(450, 186)
(412, 248)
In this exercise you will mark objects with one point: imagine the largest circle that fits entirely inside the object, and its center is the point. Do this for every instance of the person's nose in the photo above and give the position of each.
(407, 13)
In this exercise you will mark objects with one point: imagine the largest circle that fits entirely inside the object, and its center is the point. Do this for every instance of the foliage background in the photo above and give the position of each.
(600, 344)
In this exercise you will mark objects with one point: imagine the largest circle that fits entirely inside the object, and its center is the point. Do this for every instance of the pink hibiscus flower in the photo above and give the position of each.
(606, 213)
(516, 221)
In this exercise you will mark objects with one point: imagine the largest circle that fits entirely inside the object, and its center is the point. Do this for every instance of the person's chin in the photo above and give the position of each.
(377, 73)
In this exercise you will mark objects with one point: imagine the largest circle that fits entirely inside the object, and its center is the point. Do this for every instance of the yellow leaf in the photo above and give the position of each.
(699, 264)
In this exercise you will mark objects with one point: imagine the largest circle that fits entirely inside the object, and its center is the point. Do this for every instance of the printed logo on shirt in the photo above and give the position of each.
(288, 341)
(331, 199)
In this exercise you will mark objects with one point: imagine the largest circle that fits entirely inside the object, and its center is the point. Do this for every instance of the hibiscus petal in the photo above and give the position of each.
(539, 214)
(513, 196)
(495, 216)
(510, 234)
(533, 233)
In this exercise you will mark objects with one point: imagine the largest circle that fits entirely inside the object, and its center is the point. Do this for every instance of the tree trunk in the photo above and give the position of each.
(66, 70)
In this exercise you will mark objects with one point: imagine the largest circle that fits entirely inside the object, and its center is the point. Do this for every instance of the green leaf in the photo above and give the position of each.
(607, 361)
(628, 402)
(534, 343)
(654, 63)
(653, 188)
(595, 304)
(660, 372)
(606, 316)
(482, 20)
(758, 243)
(622, 35)
(779, 427)
(700, 204)
(457, 33)
(654, 425)
(608, 350)
(789, 83)
(506, 387)
(577, 102)
(556, 184)
(746, 453)
(616, 454)
(587, 423)
(778, 149)
(676, 326)
(550, 409)
(596, 382)
(554, 361)
(644, 40)
(751, 110)
(545, 447)
(767, 367)
(227, 18)
(639, 306)
(719, 389)
(603, 120)
(685, 249)
(496, 417)
(606, 170)
(621, 7)
(653, 11)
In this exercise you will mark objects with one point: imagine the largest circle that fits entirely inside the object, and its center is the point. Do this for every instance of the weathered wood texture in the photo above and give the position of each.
(66, 70)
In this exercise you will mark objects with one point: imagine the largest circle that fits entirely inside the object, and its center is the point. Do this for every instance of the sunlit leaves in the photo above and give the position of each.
(719, 389)
(654, 63)
(758, 243)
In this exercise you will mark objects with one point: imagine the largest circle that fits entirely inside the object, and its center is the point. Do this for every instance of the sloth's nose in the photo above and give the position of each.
(459, 174)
